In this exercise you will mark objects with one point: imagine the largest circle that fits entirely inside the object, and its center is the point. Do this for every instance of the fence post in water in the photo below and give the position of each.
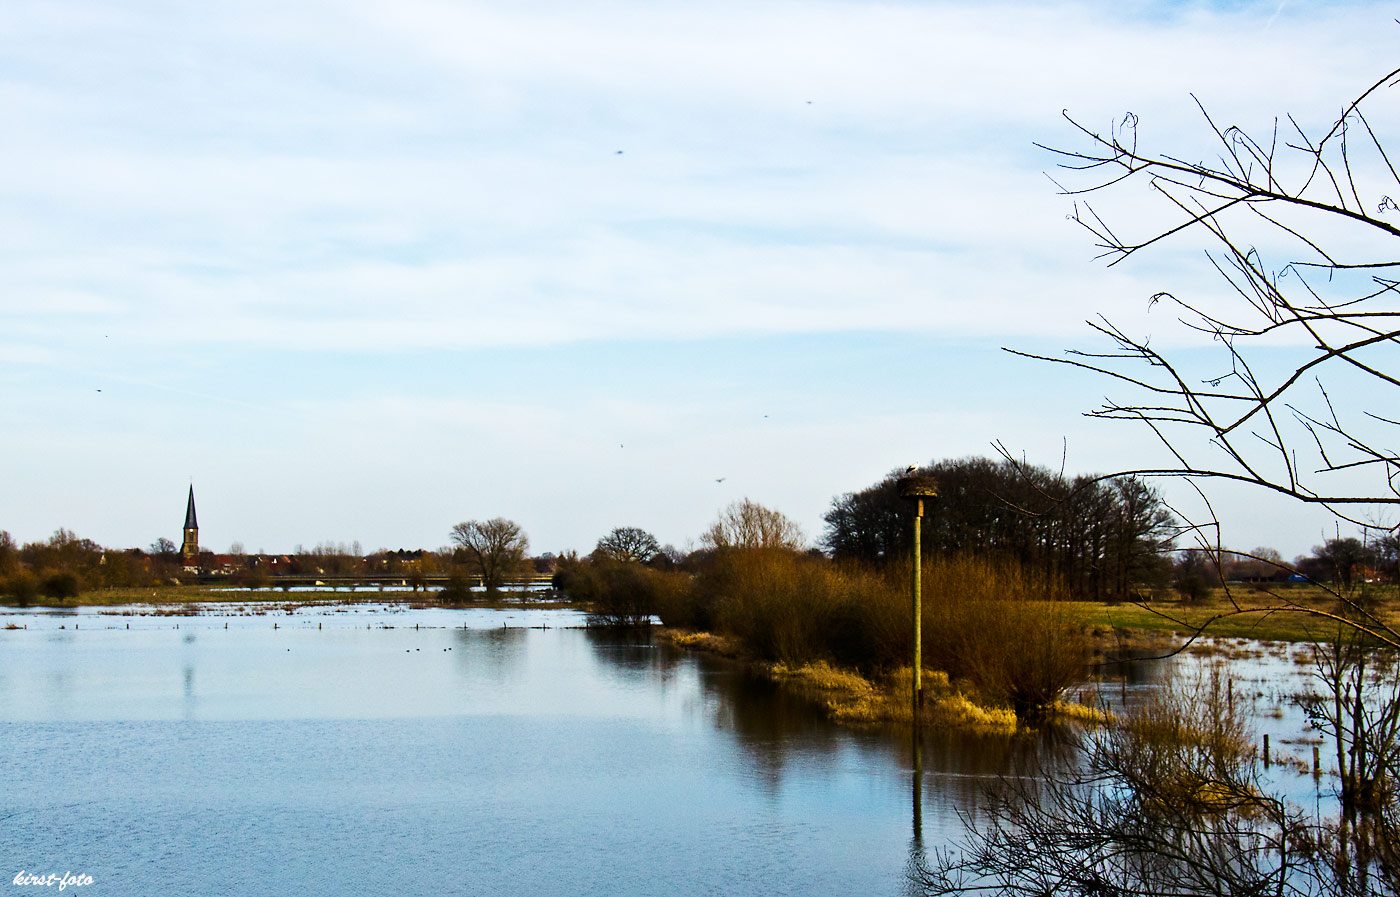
(916, 488)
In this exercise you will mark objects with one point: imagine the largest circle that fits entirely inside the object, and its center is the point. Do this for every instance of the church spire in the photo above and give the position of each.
(190, 521)
(189, 549)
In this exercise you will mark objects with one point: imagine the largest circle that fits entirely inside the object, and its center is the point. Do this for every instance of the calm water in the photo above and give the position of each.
(483, 752)
(491, 759)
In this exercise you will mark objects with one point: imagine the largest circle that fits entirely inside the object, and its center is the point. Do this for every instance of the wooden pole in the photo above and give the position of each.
(918, 686)
(917, 488)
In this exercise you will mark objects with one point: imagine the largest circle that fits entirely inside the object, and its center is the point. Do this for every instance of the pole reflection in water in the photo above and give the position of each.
(917, 740)
(915, 864)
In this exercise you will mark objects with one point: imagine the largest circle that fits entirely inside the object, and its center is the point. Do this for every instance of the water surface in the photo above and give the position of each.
(375, 749)
(370, 756)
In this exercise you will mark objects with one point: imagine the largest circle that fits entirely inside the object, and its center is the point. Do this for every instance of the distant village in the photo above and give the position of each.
(66, 565)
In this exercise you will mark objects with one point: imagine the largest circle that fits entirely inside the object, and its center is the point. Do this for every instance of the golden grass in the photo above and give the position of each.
(1086, 714)
(700, 641)
(852, 699)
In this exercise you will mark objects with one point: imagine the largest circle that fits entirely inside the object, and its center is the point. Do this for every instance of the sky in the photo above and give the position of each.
(359, 271)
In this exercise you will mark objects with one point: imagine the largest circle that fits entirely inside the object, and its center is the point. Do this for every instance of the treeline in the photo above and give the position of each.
(65, 566)
(1101, 538)
(1343, 563)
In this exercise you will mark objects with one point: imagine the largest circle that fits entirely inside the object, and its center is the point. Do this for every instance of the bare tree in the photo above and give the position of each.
(496, 546)
(748, 524)
(1299, 224)
(628, 545)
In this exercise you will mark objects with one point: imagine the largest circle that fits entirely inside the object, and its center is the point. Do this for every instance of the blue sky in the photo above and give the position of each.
(362, 270)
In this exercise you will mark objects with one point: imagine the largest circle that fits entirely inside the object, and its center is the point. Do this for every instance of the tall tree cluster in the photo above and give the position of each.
(1103, 537)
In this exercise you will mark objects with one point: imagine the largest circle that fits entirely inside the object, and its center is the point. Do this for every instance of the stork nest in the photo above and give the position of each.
(916, 486)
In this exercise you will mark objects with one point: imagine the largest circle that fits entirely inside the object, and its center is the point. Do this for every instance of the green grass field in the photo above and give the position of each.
(1287, 614)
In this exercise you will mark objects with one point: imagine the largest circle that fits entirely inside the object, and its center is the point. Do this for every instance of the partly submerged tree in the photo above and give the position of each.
(496, 547)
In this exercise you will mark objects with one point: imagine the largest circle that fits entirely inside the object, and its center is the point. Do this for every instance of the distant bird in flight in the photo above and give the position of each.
(721, 479)
(911, 470)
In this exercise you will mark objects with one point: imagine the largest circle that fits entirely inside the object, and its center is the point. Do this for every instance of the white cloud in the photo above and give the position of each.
(270, 189)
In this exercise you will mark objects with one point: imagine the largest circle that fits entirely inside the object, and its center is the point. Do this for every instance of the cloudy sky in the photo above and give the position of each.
(361, 270)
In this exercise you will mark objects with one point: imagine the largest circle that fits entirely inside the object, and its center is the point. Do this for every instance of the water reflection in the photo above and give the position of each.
(916, 740)
(777, 730)
(493, 656)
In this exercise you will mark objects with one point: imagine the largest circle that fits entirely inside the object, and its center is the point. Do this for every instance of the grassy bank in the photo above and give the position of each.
(1224, 618)
(877, 701)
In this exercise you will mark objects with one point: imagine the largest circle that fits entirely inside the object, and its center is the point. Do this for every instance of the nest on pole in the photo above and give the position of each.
(916, 487)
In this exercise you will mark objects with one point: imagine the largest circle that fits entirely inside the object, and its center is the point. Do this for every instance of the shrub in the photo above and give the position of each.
(621, 593)
(993, 625)
(21, 587)
(251, 578)
(998, 626)
(59, 584)
(457, 591)
(774, 601)
(797, 609)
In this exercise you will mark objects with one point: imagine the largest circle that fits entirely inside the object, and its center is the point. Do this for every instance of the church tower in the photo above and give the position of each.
(189, 550)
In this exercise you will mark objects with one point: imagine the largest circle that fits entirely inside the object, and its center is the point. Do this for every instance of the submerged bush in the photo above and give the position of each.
(994, 627)
(623, 593)
(457, 591)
